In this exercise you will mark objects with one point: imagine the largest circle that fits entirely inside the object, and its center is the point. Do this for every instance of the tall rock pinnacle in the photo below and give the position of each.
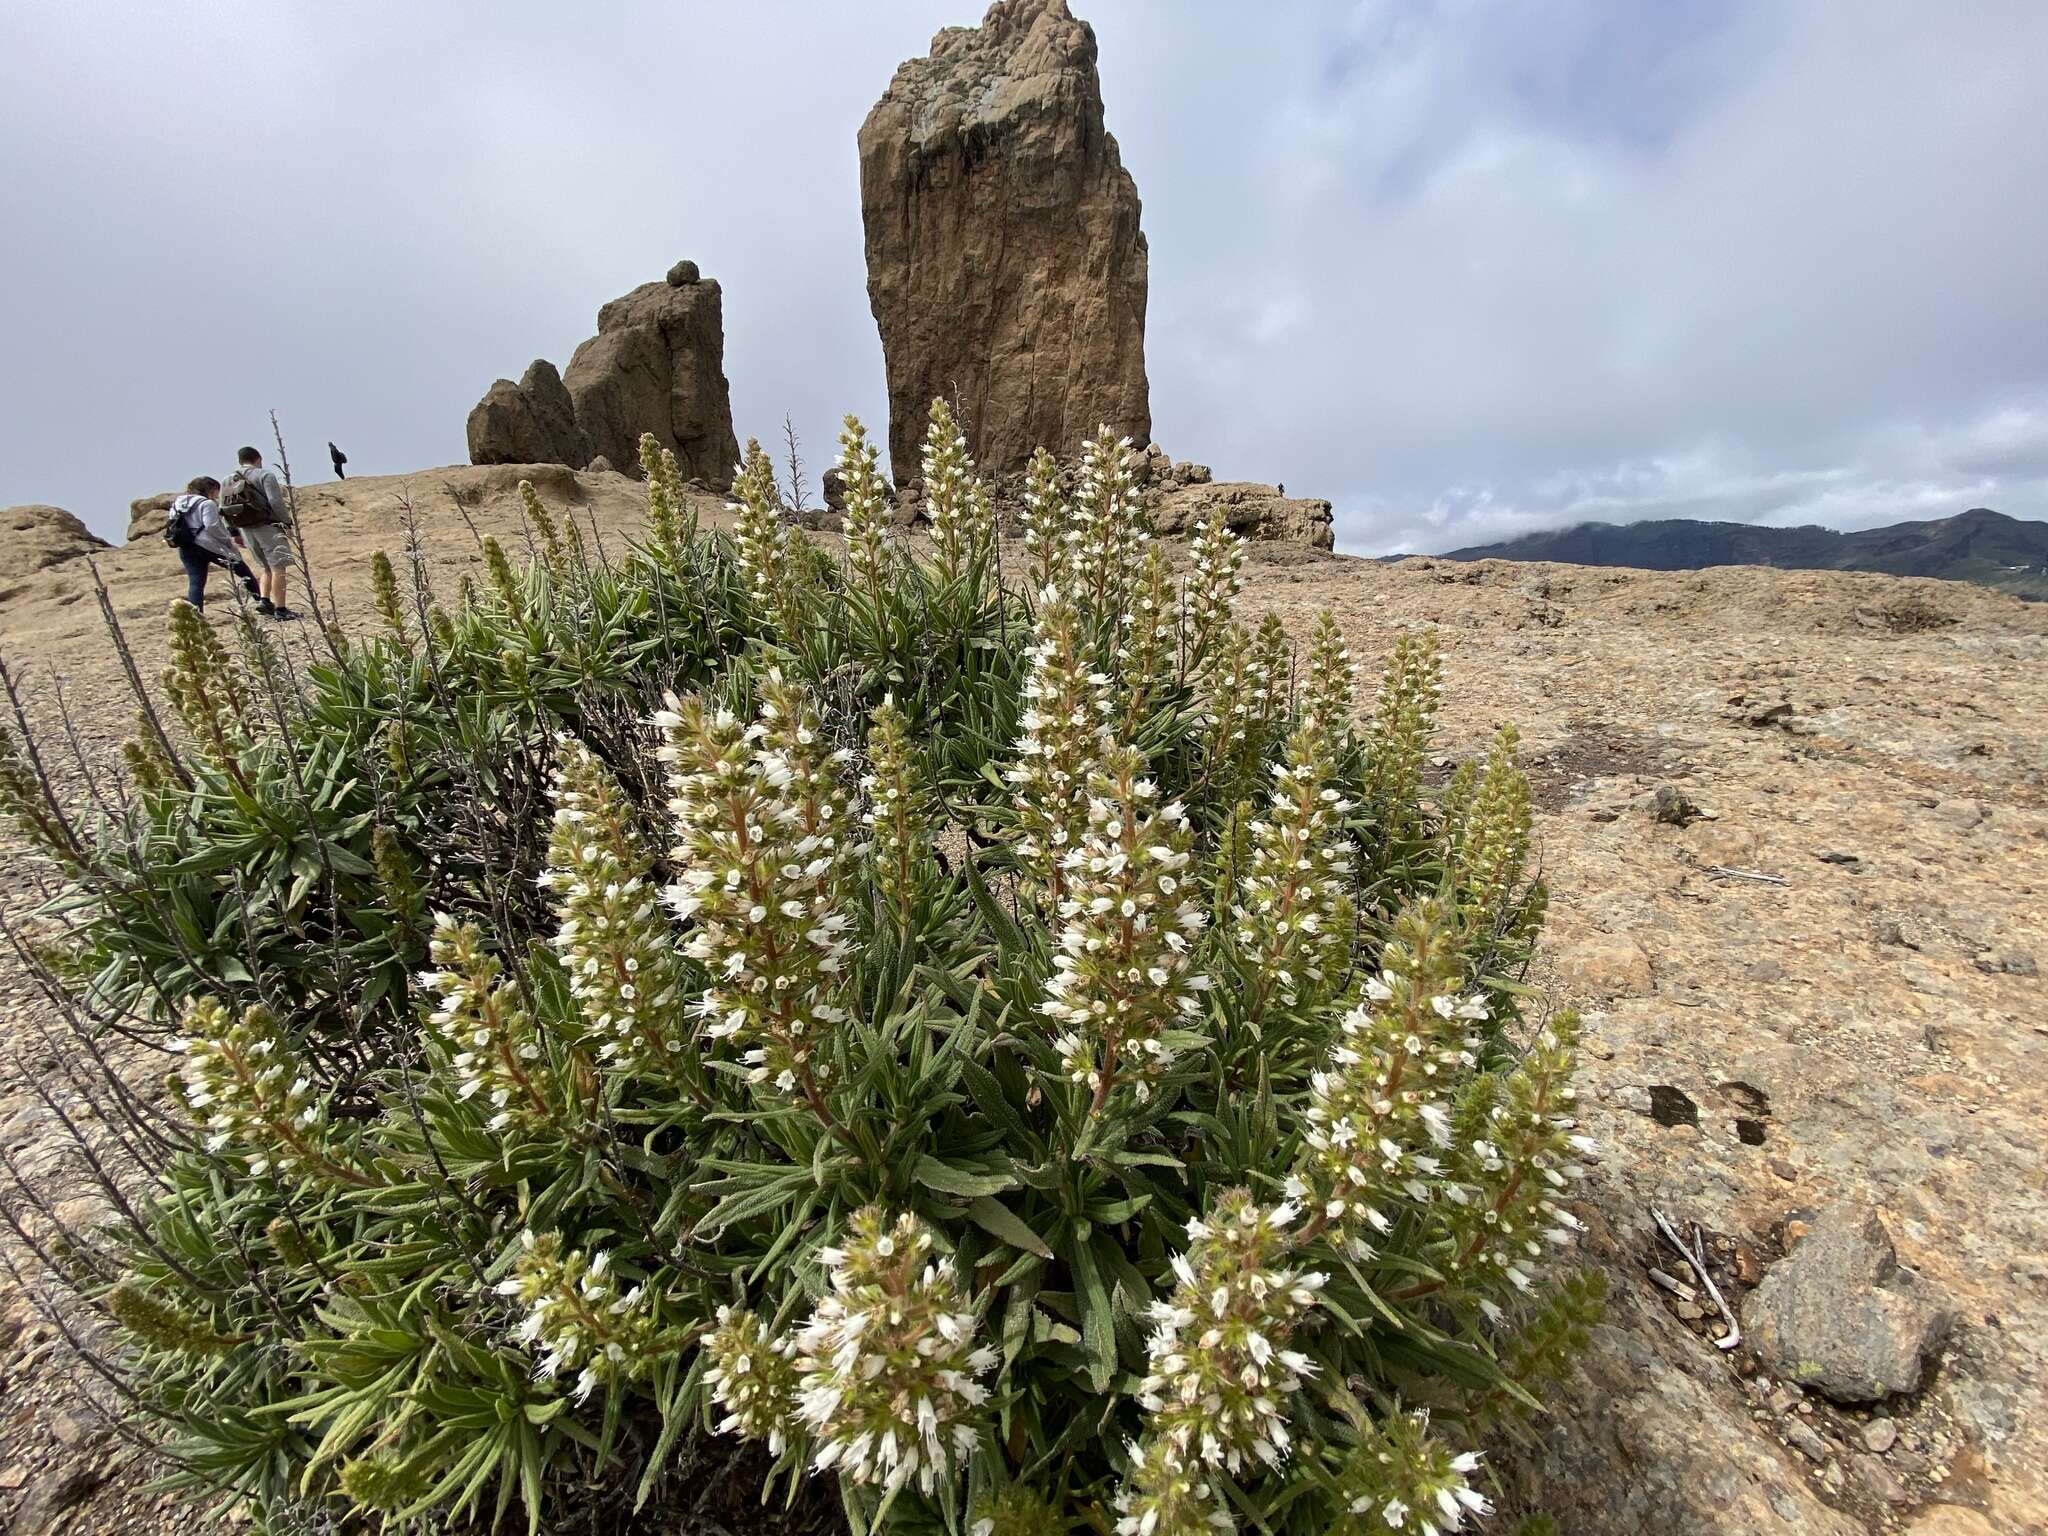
(1006, 267)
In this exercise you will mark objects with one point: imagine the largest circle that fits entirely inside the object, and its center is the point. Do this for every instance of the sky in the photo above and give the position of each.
(1468, 269)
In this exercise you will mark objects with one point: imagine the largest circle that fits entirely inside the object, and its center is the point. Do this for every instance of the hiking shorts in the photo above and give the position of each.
(270, 545)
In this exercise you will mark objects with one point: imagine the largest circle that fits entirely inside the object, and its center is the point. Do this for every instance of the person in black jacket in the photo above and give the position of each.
(340, 459)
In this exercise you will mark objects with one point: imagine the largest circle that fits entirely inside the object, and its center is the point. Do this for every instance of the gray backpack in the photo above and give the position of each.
(243, 503)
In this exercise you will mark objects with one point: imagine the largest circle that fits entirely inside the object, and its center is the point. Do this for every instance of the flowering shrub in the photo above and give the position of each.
(1028, 1055)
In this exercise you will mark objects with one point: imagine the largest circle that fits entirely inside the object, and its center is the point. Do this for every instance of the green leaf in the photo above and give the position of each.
(990, 1099)
(1148, 1160)
(993, 1216)
(952, 1179)
(1098, 1321)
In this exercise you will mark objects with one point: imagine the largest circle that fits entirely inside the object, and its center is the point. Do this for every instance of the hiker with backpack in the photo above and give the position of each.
(194, 527)
(254, 505)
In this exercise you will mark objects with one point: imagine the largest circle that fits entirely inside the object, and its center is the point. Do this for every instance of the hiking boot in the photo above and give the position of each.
(264, 607)
(282, 614)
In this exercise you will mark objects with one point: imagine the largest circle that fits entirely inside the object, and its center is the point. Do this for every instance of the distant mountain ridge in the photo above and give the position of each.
(1979, 545)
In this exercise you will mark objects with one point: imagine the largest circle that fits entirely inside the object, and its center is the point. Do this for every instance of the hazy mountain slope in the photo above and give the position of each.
(1979, 545)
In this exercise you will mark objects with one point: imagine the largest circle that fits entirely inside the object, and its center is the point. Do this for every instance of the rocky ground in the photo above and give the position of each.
(1796, 828)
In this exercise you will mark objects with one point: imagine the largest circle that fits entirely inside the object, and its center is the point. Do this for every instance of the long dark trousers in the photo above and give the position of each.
(199, 562)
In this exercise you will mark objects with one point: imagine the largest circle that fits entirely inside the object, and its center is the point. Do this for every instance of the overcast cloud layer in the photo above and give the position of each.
(1468, 269)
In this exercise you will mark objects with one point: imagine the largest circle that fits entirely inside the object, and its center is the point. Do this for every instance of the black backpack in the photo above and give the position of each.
(178, 530)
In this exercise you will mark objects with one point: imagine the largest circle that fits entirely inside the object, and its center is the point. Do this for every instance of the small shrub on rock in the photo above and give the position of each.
(1023, 1054)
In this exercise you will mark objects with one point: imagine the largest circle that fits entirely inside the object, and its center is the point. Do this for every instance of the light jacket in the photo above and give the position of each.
(209, 529)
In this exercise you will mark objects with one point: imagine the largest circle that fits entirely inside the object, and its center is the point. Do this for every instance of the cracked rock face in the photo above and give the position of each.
(1247, 509)
(1006, 268)
(1838, 1314)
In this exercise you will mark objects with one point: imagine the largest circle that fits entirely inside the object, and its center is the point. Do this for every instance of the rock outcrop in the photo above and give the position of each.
(41, 536)
(531, 422)
(656, 364)
(1006, 268)
(1247, 509)
(146, 515)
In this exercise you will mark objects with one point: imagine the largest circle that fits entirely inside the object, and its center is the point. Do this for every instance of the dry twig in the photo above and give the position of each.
(1723, 872)
(1696, 1258)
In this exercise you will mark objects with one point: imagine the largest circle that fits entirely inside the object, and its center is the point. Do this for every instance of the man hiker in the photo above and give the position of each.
(340, 459)
(202, 538)
(254, 504)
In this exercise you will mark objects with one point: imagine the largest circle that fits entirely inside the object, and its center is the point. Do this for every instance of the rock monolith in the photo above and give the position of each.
(656, 365)
(1006, 268)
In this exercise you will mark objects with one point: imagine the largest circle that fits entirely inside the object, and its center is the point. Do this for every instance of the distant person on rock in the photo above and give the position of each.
(202, 538)
(340, 459)
(254, 503)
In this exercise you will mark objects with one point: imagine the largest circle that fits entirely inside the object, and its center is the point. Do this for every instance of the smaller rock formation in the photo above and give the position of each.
(1006, 267)
(531, 422)
(1157, 467)
(39, 536)
(146, 515)
(656, 364)
(832, 486)
(1839, 1315)
(1248, 510)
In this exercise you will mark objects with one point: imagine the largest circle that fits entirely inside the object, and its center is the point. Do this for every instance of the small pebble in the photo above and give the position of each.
(1879, 1436)
(1807, 1439)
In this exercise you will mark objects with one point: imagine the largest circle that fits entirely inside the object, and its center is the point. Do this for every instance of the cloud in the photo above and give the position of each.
(1468, 268)
(1896, 472)
(1746, 261)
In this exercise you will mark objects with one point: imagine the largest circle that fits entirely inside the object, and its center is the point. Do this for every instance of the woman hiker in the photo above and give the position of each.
(204, 540)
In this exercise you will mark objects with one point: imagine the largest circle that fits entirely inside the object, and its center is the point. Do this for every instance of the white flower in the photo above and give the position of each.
(1219, 1374)
(577, 1318)
(751, 1375)
(763, 819)
(887, 1361)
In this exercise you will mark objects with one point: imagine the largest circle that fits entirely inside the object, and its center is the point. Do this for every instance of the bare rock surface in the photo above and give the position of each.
(1836, 1314)
(39, 536)
(1006, 268)
(656, 364)
(1828, 1024)
(1247, 509)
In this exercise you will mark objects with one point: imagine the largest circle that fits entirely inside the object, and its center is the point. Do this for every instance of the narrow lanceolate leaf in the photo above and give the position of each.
(992, 1216)
(990, 1099)
(1098, 1320)
(961, 1179)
